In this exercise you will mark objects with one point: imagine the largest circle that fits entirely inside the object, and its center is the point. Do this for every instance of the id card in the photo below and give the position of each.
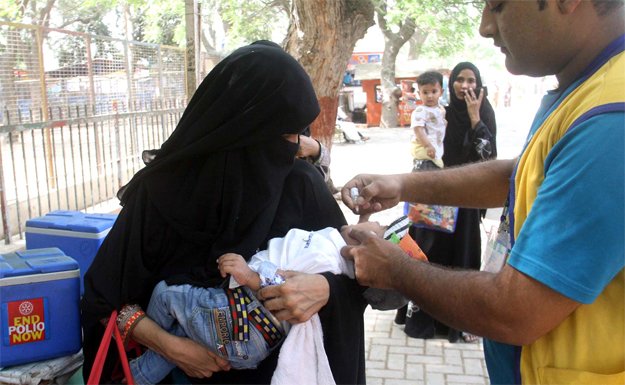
(498, 245)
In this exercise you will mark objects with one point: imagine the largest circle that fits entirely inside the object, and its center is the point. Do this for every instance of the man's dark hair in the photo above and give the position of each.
(430, 77)
(542, 4)
(602, 7)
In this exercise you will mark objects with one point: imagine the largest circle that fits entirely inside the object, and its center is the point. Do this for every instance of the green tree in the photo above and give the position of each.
(250, 20)
(437, 26)
(87, 17)
(158, 22)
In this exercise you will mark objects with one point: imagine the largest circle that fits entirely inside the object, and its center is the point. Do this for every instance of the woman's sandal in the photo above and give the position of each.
(468, 337)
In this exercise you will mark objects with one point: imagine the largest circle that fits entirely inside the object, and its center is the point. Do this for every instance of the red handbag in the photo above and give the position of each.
(100, 358)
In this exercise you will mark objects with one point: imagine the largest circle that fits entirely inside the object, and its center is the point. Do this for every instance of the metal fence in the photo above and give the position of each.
(76, 111)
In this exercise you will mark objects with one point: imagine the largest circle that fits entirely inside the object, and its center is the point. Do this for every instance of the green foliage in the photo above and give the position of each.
(162, 21)
(9, 10)
(449, 22)
(71, 50)
(85, 16)
(251, 20)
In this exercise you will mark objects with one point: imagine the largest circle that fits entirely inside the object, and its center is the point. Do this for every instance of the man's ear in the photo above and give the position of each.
(568, 6)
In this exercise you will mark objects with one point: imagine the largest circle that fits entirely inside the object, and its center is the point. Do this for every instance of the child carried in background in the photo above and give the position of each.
(429, 125)
(235, 325)
(428, 122)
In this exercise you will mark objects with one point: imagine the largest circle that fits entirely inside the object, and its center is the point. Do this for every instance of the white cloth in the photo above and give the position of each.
(307, 252)
(302, 358)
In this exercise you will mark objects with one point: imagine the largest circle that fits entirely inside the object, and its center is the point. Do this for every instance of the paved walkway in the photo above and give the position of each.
(393, 358)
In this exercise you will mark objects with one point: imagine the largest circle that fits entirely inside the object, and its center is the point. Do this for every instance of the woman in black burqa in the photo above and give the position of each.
(470, 137)
(225, 181)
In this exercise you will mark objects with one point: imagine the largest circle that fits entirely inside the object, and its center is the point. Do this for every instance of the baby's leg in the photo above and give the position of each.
(151, 367)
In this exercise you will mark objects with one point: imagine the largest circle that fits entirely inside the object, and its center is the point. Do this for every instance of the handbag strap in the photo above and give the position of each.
(98, 364)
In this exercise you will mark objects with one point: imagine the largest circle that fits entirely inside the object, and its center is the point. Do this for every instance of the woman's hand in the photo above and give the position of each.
(308, 147)
(473, 105)
(194, 359)
(298, 299)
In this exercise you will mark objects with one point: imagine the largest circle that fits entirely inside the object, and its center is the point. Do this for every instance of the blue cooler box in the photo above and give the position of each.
(39, 299)
(79, 235)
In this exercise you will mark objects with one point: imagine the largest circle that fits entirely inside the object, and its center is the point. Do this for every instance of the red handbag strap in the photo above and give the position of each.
(100, 358)
(122, 356)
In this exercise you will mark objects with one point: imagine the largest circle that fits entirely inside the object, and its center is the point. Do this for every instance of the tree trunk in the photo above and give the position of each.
(416, 44)
(321, 36)
(392, 43)
(390, 94)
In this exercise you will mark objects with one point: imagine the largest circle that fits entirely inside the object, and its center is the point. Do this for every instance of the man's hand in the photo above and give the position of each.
(235, 265)
(374, 259)
(376, 193)
(298, 299)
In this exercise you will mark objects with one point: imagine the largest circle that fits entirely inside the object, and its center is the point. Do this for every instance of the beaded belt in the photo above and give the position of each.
(269, 327)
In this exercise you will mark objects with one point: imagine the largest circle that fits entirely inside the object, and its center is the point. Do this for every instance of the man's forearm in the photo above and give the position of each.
(507, 307)
(479, 185)
(451, 296)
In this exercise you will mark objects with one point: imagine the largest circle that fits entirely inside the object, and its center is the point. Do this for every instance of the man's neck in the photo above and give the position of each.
(592, 49)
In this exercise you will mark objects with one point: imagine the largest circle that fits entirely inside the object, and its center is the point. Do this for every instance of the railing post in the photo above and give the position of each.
(119, 152)
(3, 203)
(91, 93)
(192, 30)
(44, 108)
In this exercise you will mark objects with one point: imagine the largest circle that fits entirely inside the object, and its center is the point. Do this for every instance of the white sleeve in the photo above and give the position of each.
(418, 117)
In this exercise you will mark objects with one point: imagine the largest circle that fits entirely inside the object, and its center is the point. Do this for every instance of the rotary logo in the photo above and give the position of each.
(26, 308)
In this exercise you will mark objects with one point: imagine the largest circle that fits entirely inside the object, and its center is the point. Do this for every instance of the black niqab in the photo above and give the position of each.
(459, 123)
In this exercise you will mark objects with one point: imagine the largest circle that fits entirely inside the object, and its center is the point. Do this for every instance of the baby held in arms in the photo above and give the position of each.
(232, 321)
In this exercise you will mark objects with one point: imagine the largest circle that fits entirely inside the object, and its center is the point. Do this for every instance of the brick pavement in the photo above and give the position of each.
(393, 358)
